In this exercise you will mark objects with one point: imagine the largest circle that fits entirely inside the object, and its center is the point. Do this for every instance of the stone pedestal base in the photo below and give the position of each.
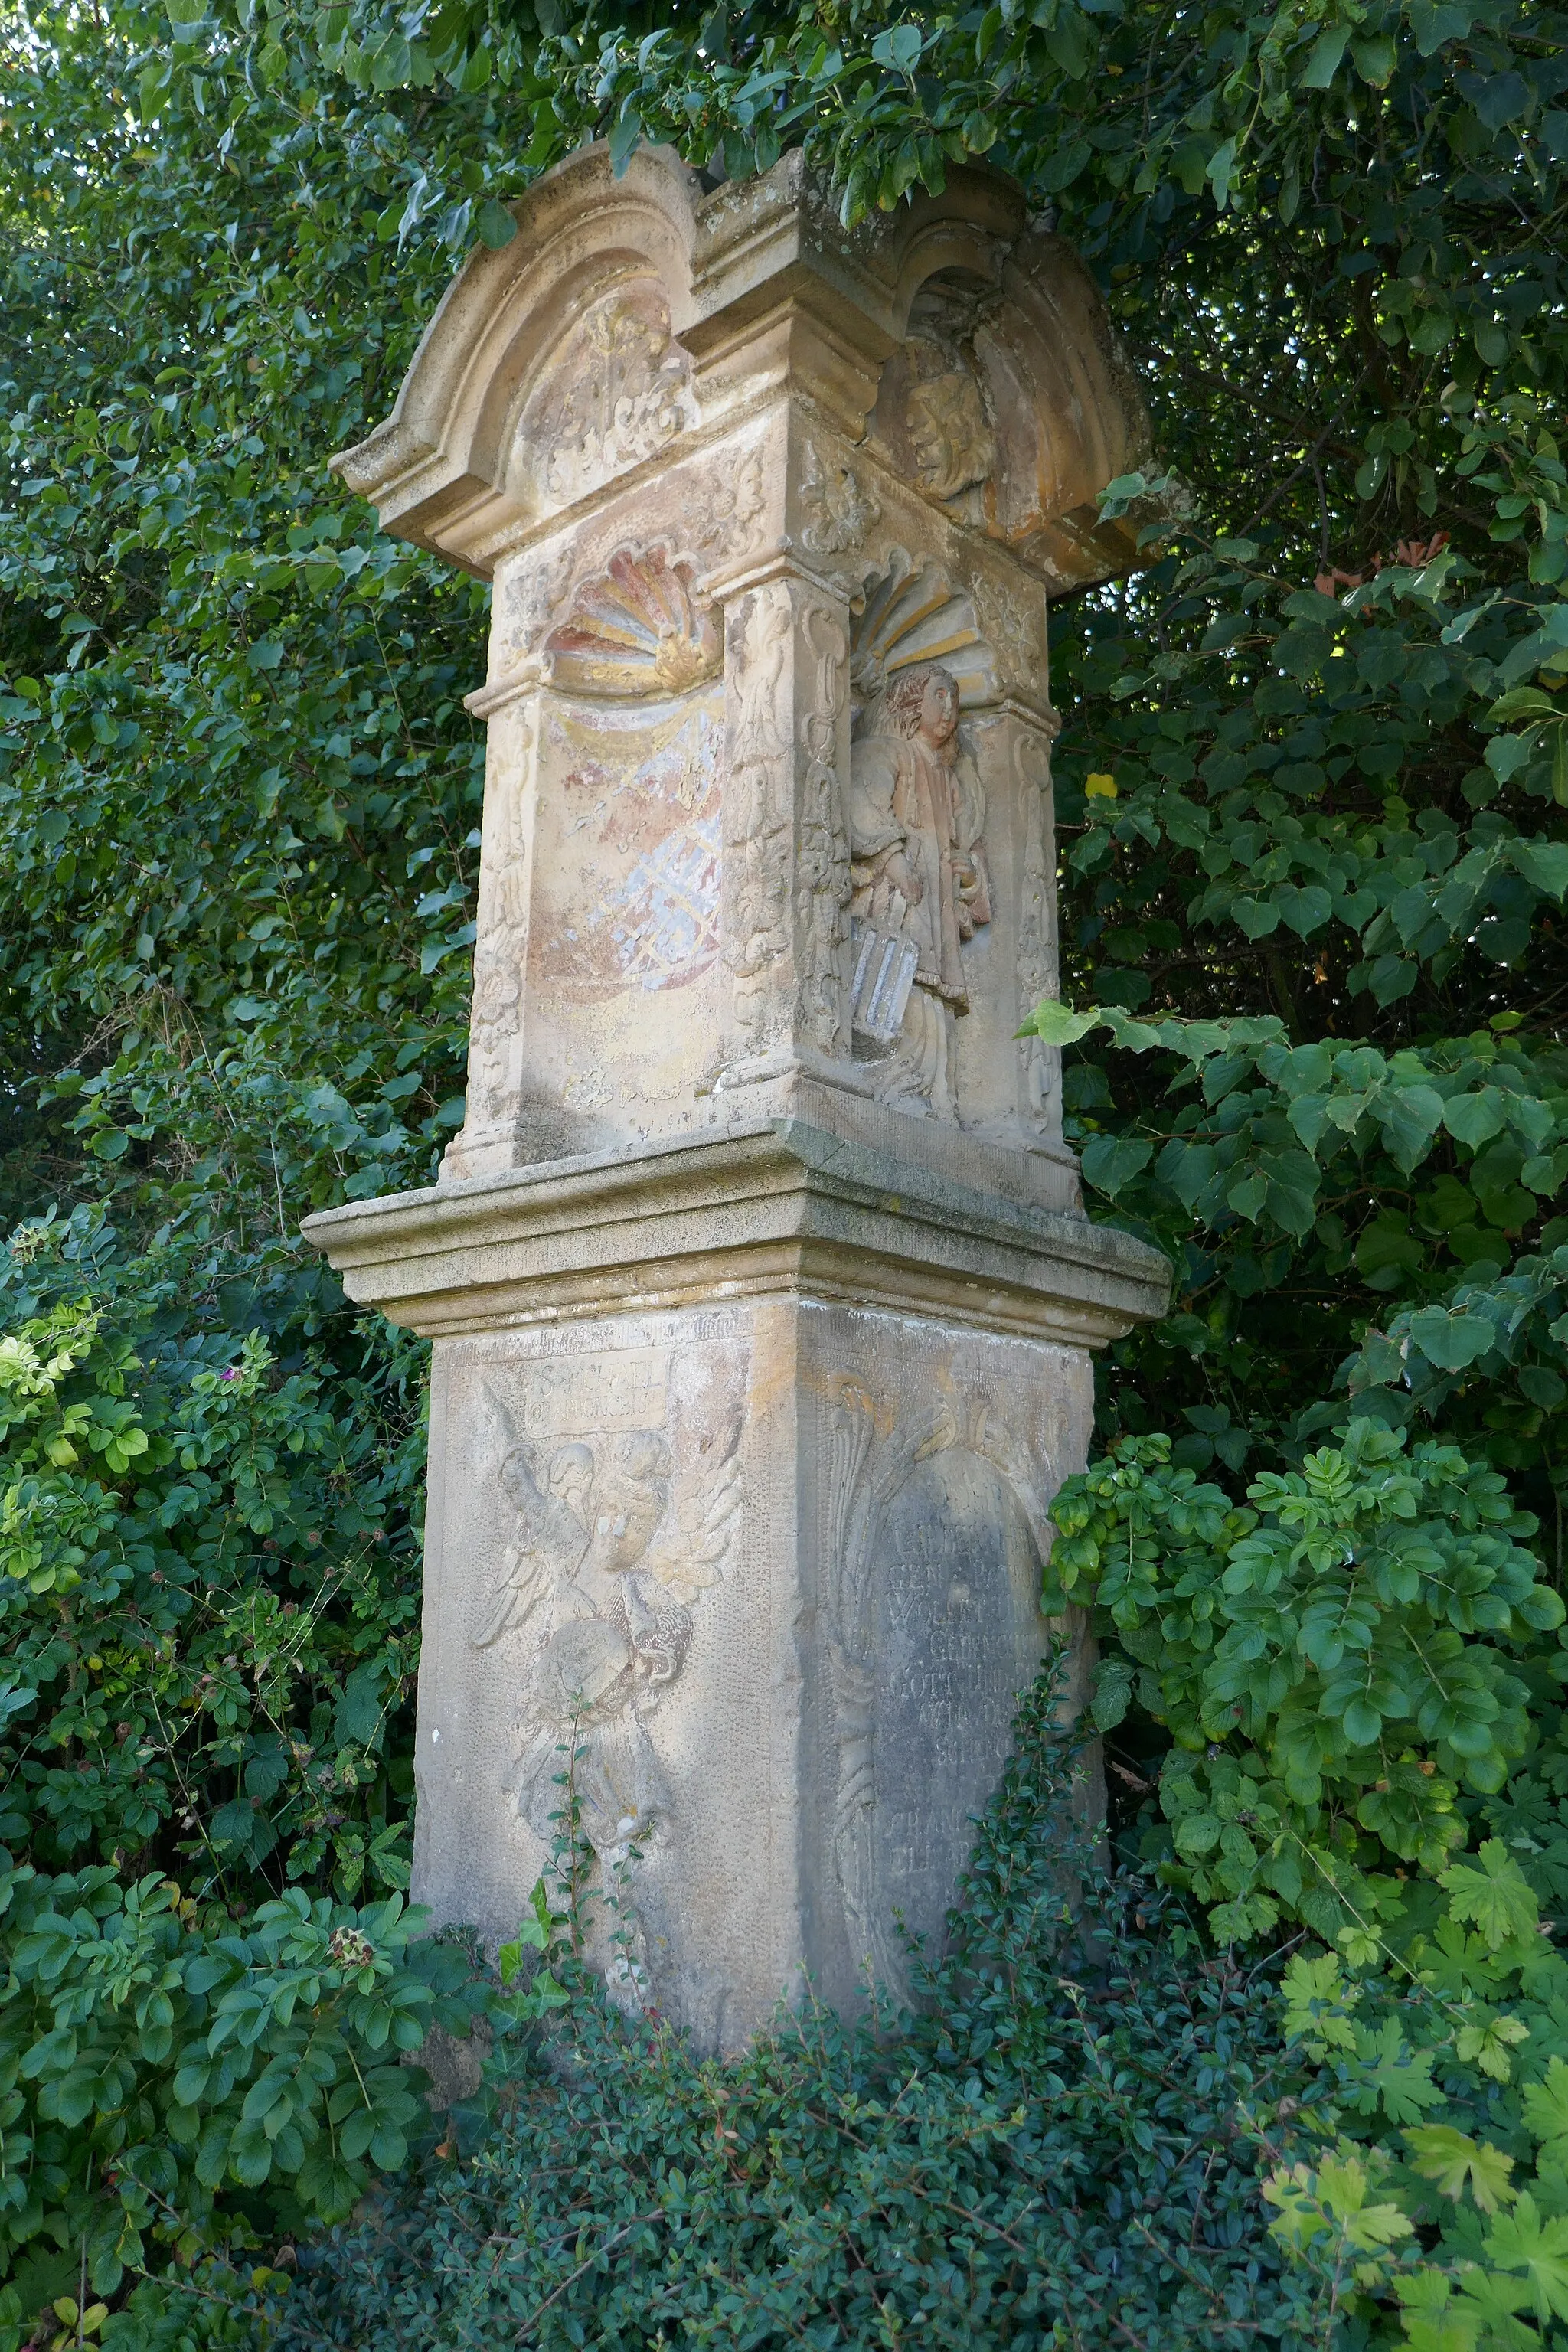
(741, 1455)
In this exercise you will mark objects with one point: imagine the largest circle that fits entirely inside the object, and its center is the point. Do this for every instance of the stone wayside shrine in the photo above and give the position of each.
(759, 1280)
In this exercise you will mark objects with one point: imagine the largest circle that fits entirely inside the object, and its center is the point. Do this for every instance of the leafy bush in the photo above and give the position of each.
(1049, 2149)
(207, 1614)
(1356, 1681)
(157, 2058)
(1444, 2069)
(1329, 1662)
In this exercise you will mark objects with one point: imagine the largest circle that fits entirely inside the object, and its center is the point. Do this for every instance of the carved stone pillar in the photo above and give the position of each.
(759, 1280)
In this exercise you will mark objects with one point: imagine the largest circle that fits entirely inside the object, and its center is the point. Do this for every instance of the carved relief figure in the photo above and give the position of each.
(949, 430)
(918, 870)
(613, 1539)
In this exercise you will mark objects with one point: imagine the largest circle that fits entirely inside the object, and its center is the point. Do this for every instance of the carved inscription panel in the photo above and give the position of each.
(956, 1576)
(932, 1458)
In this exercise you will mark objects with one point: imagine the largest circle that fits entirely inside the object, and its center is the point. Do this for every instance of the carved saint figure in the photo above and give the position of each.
(609, 1545)
(917, 868)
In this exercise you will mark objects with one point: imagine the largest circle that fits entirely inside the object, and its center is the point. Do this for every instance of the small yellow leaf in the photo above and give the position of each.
(1100, 787)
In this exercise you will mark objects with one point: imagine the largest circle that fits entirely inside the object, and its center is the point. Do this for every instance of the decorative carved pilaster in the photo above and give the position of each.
(500, 953)
(1039, 1081)
(786, 849)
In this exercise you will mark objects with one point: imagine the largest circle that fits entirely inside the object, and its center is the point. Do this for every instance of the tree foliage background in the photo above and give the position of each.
(1311, 791)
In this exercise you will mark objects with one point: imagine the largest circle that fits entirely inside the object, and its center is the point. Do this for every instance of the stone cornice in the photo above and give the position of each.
(778, 1207)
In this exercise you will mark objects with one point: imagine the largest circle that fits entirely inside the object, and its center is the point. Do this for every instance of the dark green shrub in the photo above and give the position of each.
(1052, 2147)
(207, 1585)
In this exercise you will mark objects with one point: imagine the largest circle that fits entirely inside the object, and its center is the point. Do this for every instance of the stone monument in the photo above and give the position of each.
(759, 1284)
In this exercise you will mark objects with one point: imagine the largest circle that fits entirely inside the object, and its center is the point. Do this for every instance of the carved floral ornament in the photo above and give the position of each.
(616, 390)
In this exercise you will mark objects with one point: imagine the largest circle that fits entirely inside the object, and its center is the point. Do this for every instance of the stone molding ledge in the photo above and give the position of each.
(774, 1207)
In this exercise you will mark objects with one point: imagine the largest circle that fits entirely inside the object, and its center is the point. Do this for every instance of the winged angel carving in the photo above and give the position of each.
(614, 1538)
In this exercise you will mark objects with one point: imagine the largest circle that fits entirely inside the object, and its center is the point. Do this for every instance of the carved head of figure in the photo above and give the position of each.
(630, 1499)
(952, 442)
(922, 700)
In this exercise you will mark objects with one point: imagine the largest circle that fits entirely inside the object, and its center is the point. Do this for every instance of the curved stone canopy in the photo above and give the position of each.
(955, 339)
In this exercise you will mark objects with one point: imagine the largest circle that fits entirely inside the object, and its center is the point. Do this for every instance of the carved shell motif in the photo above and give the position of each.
(636, 629)
(910, 614)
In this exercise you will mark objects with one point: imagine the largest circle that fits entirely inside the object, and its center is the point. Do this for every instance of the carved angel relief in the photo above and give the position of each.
(614, 1539)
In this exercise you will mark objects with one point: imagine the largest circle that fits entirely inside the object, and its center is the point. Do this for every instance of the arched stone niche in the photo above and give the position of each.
(761, 1288)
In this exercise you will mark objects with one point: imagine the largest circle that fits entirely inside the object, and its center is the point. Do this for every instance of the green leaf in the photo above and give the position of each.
(1545, 2103)
(1434, 22)
(1376, 59)
(899, 47)
(389, 62)
(1544, 863)
(1450, 1340)
(494, 225)
(1455, 2162)
(1474, 1118)
(1115, 1680)
(1497, 1897)
(1410, 1117)
(1057, 1023)
(1394, 2076)
(360, 1706)
(1317, 2000)
(1324, 62)
(1522, 2241)
(1110, 1162)
(1522, 702)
